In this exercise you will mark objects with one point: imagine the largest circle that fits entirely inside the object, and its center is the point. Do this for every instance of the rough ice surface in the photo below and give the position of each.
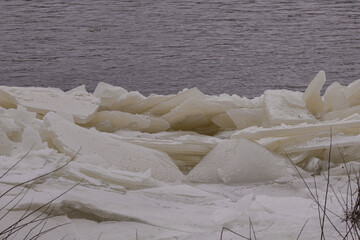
(179, 166)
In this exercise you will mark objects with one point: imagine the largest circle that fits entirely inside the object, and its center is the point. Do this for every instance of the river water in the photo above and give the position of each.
(162, 46)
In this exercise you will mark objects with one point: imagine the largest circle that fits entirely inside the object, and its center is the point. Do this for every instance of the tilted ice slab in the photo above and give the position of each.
(110, 121)
(244, 117)
(167, 105)
(324, 143)
(42, 100)
(224, 100)
(223, 121)
(341, 113)
(20, 130)
(33, 163)
(185, 150)
(181, 207)
(186, 212)
(312, 98)
(184, 147)
(238, 161)
(92, 169)
(87, 168)
(116, 98)
(192, 113)
(187, 144)
(352, 93)
(335, 98)
(70, 138)
(294, 130)
(147, 103)
(286, 107)
(244, 102)
(123, 179)
(126, 101)
(120, 120)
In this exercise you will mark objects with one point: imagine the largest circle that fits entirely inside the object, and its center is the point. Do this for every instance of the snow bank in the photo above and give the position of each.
(142, 159)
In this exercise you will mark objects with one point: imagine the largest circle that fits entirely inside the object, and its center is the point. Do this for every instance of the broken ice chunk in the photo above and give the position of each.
(31, 139)
(69, 138)
(313, 165)
(223, 121)
(286, 107)
(324, 143)
(238, 161)
(244, 117)
(98, 172)
(254, 133)
(147, 103)
(167, 105)
(121, 120)
(126, 101)
(110, 121)
(78, 91)
(341, 113)
(312, 98)
(43, 100)
(185, 150)
(244, 102)
(192, 113)
(353, 93)
(225, 101)
(157, 124)
(9, 126)
(335, 98)
(107, 94)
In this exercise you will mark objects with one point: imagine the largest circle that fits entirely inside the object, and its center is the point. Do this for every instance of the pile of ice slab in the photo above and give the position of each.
(134, 153)
(162, 134)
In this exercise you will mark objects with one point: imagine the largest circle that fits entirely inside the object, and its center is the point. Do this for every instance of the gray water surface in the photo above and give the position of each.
(162, 46)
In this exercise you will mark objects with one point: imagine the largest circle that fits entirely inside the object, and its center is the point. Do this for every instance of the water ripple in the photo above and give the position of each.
(233, 46)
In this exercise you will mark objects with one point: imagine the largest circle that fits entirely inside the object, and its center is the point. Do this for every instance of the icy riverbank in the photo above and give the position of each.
(178, 166)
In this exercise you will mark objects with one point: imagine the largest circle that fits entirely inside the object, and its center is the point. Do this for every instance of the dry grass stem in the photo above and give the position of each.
(36, 219)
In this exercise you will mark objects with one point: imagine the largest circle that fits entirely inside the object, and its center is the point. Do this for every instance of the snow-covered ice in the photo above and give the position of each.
(180, 166)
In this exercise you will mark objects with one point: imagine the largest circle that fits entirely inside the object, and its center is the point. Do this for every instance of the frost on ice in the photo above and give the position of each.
(150, 162)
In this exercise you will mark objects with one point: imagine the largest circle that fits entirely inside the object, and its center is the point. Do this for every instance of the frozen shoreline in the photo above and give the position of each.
(177, 166)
